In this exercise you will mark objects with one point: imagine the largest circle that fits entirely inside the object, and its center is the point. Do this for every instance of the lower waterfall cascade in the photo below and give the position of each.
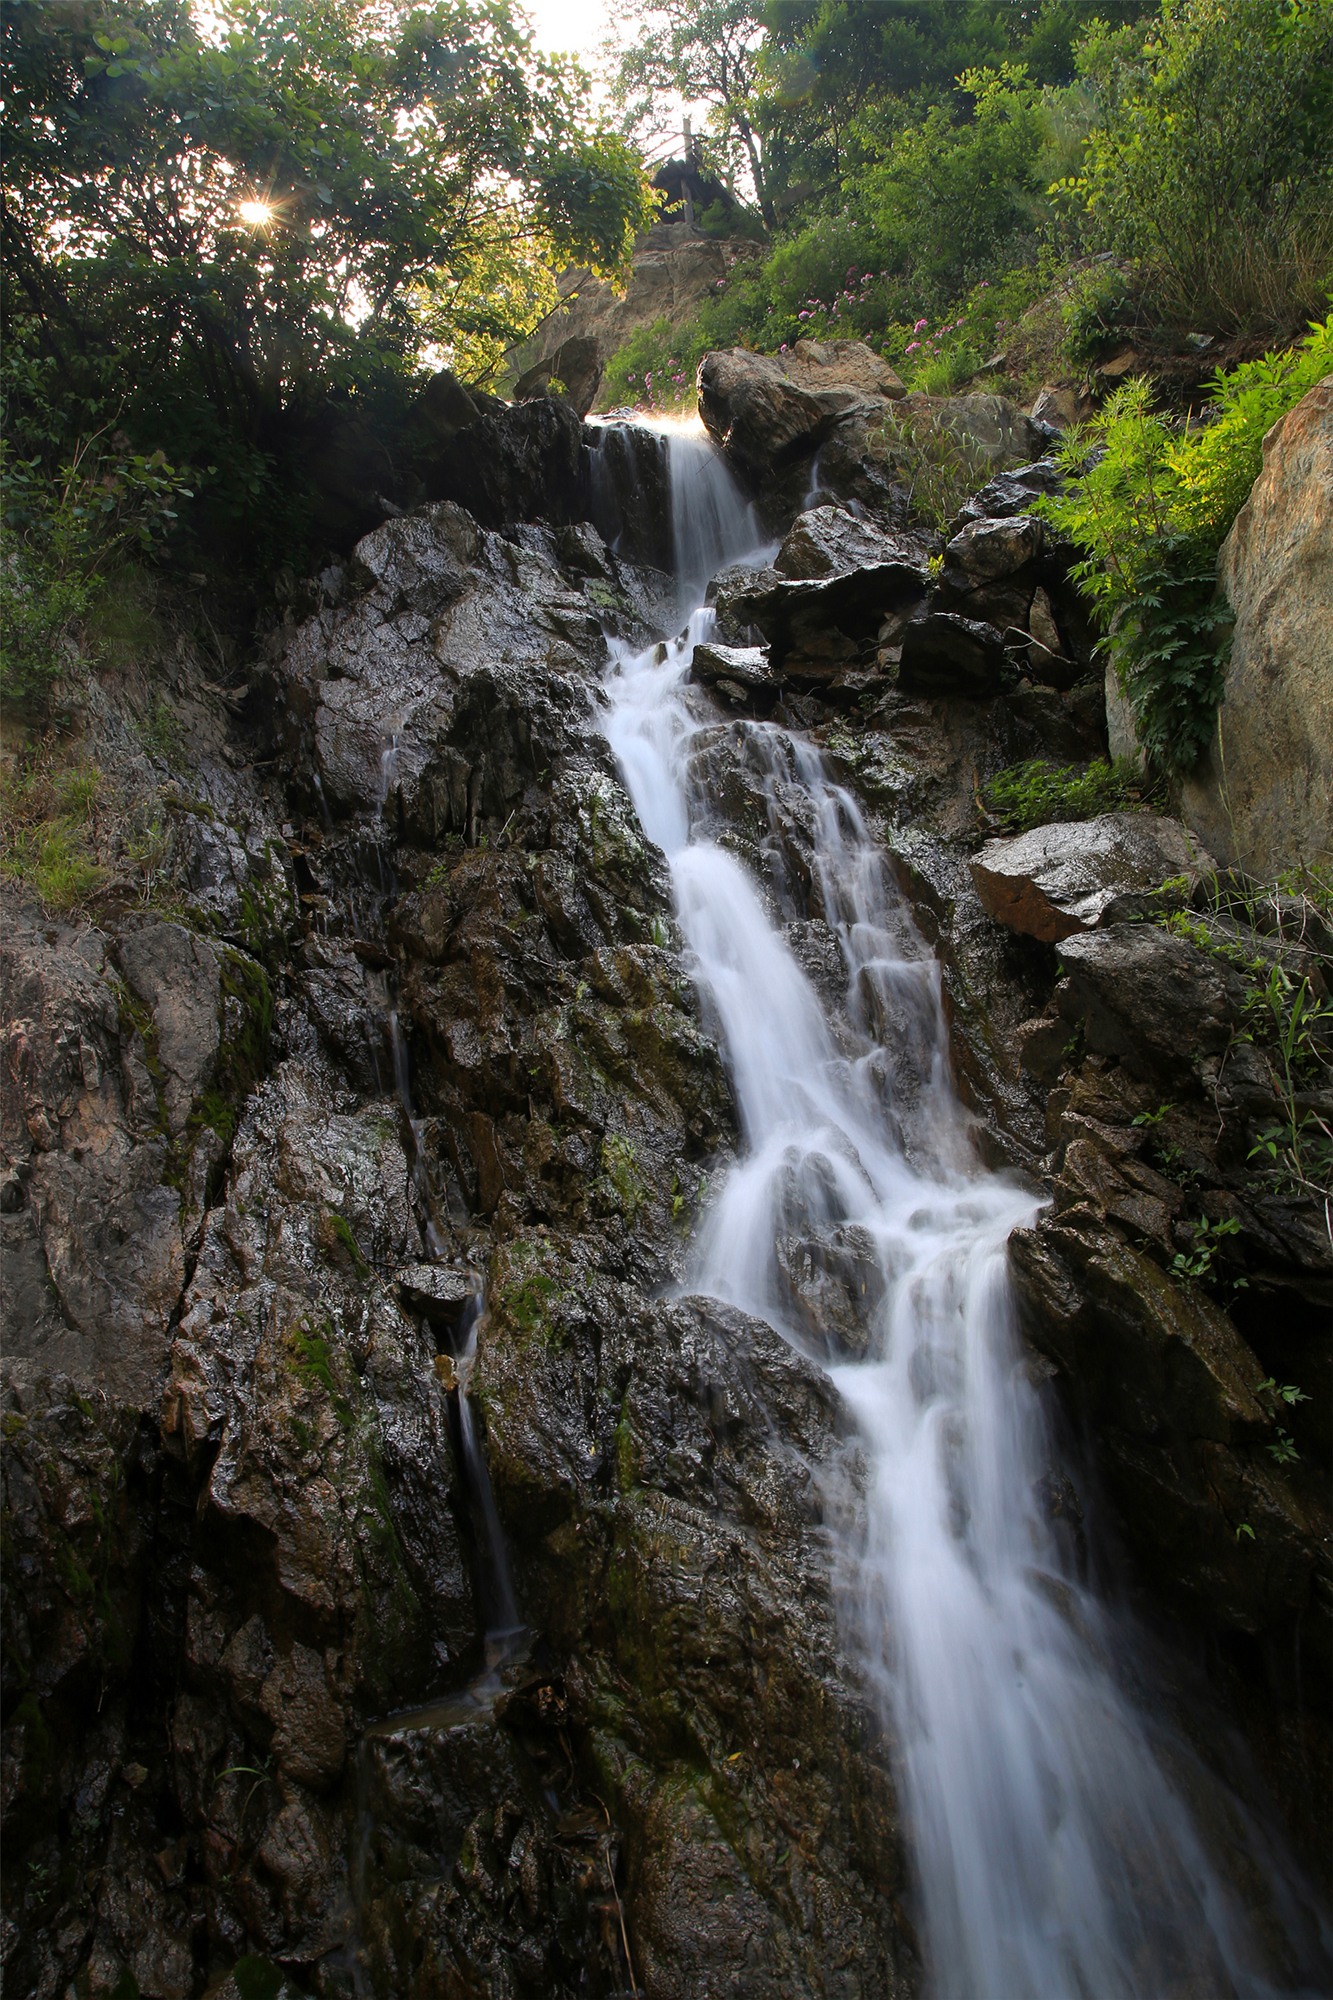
(1054, 1816)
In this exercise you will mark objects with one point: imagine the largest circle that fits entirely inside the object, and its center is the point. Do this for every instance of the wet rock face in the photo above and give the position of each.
(110, 1047)
(515, 463)
(693, 1445)
(1177, 1291)
(1060, 880)
(252, 1448)
(253, 1198)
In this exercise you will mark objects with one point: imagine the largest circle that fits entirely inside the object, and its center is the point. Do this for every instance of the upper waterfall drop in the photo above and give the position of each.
(1052, 1817)
(712, 523)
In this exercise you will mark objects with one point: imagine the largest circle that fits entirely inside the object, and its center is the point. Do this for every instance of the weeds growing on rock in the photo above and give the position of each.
(1200, 1263)
(1031, 794)
(938, 464)
(48, 829)
(1286, 1015)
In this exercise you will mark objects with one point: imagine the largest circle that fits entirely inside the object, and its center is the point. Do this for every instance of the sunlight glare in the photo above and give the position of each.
(257, 213)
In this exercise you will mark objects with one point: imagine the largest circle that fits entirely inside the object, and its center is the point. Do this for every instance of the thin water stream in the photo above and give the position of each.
(1057, 1846)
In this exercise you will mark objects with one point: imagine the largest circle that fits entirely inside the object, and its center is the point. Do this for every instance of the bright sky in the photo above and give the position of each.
(569, 27)
(579, 28)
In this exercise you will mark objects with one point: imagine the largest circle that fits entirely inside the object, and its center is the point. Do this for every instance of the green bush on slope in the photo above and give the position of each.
(1149, 508)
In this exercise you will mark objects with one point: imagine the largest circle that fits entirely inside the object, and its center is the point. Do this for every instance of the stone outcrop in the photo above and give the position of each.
(674, 268)
(837, 398)
(1264, 799)
(766, 410)
(517, 462)
(1059, 880)
(852, 605)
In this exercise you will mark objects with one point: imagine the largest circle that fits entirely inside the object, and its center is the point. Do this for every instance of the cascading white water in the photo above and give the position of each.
(1056, 1857)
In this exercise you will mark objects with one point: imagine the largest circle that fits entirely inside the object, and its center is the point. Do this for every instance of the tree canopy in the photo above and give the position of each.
(243, 218)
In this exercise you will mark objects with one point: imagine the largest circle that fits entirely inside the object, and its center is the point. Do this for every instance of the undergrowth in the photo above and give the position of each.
(1149, 508)
(1036, 792)
(48, 832)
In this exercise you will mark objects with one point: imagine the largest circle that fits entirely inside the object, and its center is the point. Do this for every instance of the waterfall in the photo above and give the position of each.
(503, 1625)
(1056, 1854)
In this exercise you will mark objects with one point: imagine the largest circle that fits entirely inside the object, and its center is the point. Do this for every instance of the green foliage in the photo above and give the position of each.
(257, 1978)
(723, 220)
(1090, 316)
(1297, 1028)
(1200, 1262)
(1149, 508)
(624, 1175)
(1212, 158)
(1031, 794)
(48, 831)
(1289, 1392)
(64, 531)
(226, 222)
(313, 1360)
(646, 373)
(338, 1231)
(951, 197)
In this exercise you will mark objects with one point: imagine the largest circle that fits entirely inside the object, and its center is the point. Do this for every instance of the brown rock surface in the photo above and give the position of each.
(1056, 880)
(1264, 800)
(766, 409)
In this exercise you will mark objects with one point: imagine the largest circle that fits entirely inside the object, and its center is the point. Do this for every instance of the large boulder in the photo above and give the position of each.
(944, 652)
(985, 550)
(818, 627)
(828, 541)
(766, 410)
(1012, 492)
(734, 667)
(1264, 798)
(1054, 881)
(576, 364)
(1152, 1000)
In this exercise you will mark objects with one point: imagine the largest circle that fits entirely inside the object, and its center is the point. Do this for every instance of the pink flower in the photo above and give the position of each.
(912, 346)
(921, 326)
(804, 315)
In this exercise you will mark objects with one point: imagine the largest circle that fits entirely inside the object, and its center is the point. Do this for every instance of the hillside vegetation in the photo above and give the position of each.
(929, 172)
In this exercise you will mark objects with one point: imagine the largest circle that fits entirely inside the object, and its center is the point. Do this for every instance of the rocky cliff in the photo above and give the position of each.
(675, 267)
(347, 1206)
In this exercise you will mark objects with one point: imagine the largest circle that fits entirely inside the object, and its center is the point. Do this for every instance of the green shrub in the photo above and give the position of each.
(952, 196)
(1090, 316)
(1034, 793)
(654, 370)
(1149, 508)
(60, 538)
(1213, 157)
